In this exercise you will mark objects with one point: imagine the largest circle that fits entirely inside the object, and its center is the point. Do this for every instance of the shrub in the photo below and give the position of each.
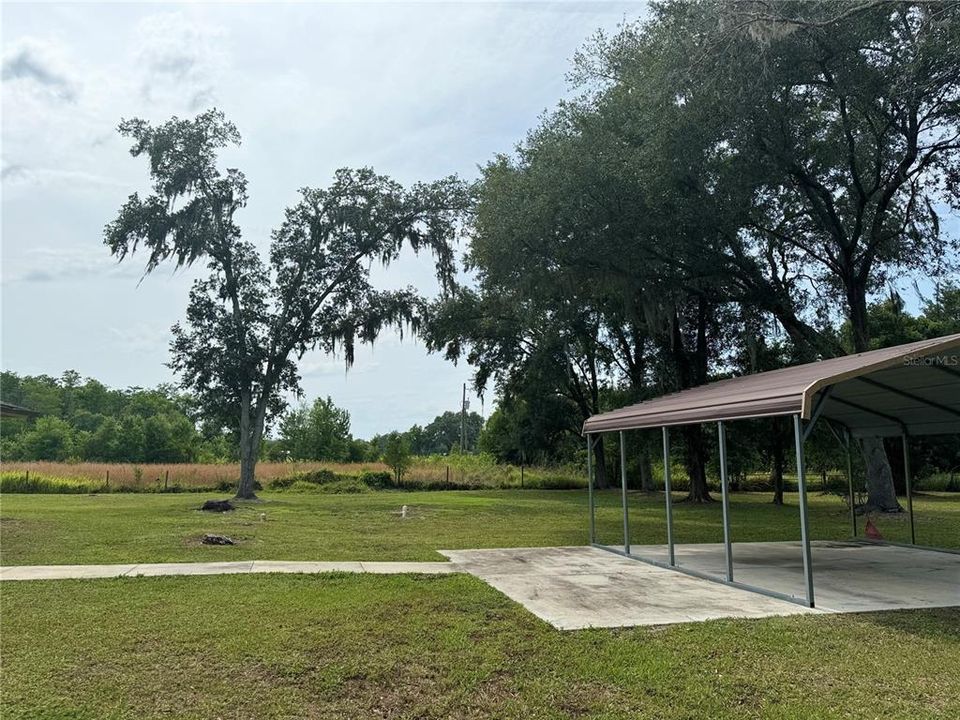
(229, 486)
(320, 477)
(344, 486)
(301, 486)
(552, 482)
(316, 477)
(379, 480)
(350, 486)
(941, 482)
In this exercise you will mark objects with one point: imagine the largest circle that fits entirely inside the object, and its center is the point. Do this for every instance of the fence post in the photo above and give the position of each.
(166, 478)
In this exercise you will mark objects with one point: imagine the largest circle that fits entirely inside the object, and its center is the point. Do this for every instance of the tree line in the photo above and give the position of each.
(84, 420)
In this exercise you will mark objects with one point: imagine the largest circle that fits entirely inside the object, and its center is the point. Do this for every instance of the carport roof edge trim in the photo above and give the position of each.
(786, 391)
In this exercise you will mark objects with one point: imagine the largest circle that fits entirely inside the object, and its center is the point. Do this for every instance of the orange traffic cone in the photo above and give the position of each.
(871, 531)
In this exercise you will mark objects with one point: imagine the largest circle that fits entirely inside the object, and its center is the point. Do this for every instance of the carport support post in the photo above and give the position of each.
(804, 525)
(728, 550)
(667, 493)
(623, 485)
(593, 534)
(909, 483)
(853, 510)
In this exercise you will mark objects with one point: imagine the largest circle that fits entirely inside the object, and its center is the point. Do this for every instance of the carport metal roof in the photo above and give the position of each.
(911, 389)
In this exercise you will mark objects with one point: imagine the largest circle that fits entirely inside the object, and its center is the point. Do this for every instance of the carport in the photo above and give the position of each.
(903, 391)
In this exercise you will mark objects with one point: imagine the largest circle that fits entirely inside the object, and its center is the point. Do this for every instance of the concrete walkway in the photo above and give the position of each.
(66, 572)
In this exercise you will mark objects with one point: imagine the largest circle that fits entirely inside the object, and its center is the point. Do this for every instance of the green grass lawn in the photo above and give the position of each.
(365, 646)
(66, 529)
(349, 646)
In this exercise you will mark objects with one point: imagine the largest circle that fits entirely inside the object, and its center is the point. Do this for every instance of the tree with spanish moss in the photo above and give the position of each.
(249, 320)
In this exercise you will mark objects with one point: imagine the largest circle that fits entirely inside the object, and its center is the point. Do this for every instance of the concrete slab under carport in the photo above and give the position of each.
(848, 576)
(581, 587)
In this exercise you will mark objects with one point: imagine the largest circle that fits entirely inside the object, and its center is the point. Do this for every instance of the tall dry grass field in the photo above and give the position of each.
(186, 475)
(433, 472)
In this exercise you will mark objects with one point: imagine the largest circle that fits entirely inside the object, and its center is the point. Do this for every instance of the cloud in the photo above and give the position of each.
(202, 99)
(44, 265)
(22, 174)
(14, 171)
(182, 60)
(317, 365)
(141, 339)
(37, 64)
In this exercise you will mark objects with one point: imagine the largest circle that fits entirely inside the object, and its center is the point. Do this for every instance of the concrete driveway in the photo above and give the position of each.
(580, 587)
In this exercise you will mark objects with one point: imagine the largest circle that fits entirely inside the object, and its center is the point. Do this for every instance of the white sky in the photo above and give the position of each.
(417, 91)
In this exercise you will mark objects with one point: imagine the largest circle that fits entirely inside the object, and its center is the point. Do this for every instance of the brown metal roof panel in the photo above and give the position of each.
(679, 415)
(777, 392)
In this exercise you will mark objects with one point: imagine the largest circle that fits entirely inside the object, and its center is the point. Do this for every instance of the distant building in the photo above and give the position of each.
(9, 410)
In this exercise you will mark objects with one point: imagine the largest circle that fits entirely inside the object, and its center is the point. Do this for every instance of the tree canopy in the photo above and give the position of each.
(729, 177)
(320, 431)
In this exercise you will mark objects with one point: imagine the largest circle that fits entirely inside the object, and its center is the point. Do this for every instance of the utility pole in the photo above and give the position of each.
(463, 421)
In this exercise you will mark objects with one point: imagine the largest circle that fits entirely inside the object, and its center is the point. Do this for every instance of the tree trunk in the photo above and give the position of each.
(881, 495)
(857, 314)
(249, 449)
(248, 466)
(696, 464)
(600, 465)
(894, 451)
(776, 476)
(646, 472)
(778, 457)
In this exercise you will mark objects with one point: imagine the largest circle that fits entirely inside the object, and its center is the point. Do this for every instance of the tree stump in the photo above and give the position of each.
(217, 506)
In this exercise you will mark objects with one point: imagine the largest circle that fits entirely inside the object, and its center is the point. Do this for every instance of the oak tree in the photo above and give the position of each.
(251, 318)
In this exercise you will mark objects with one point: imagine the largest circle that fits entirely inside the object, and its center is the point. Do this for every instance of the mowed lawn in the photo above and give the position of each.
(260, 647)
(364, 646)
(118, 528)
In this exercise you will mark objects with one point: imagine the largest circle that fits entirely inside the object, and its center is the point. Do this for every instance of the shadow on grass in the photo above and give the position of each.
(932, 624)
